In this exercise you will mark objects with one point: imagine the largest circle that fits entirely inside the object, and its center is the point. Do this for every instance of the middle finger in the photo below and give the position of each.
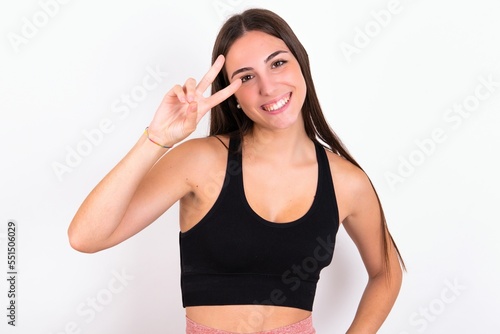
(210, 76)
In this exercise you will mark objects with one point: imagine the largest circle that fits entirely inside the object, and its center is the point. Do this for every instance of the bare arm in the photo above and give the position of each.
(136, 191)
(104, 209)
(364, 227)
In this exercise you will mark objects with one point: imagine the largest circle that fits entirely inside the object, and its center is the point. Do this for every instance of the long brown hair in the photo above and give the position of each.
(226, 118)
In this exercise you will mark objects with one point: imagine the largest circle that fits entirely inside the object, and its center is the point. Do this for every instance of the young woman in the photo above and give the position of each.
(261, 198)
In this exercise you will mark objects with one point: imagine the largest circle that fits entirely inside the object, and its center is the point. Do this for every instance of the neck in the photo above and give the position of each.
(283, 145)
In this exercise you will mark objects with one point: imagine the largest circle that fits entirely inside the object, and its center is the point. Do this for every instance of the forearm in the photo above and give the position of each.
(120, 205)
(377, 301)
(103, 209)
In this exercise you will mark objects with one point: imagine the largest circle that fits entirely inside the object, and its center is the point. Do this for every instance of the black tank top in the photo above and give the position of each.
(235, 257)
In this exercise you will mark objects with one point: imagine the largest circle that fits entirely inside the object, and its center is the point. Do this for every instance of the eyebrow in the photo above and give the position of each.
(271, 56)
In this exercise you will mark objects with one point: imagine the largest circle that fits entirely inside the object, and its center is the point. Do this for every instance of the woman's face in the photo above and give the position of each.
(273, 89)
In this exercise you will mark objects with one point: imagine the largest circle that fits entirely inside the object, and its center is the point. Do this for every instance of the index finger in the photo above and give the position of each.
(210, 76)
(224, 93)
(218, 97)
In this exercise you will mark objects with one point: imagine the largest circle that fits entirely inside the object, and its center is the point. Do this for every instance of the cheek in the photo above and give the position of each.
(304, 86)
(244, 94)
(296, 78)
(300, 84)
(300, 78)
(301, 93)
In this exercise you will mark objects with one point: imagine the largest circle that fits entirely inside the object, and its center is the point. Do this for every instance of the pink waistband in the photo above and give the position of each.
(302, 327)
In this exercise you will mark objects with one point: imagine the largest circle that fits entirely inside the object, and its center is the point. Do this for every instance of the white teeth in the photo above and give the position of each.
(277, 105)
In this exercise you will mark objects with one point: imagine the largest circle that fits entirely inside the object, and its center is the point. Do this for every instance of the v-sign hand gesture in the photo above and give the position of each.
(184, 106)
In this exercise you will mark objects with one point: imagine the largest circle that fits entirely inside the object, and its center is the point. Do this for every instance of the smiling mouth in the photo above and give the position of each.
(278, 104)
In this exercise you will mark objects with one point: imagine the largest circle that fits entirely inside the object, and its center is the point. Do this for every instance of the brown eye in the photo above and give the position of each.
(278, 63)
(246, 77)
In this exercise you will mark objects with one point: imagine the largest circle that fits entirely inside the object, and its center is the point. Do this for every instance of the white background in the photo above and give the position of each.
(69, 74)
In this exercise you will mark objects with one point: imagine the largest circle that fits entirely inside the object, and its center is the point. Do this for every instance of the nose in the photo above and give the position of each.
(267, 85)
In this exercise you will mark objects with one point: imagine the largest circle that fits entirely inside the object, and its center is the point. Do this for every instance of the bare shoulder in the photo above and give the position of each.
(201, 149)
(345, 172)
(196, 159)
(353, 188)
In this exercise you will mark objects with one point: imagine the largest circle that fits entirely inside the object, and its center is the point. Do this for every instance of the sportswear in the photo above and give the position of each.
(232, 256)
(302, 327)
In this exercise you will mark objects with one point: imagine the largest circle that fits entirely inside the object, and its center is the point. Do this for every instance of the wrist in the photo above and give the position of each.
(155, 140)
